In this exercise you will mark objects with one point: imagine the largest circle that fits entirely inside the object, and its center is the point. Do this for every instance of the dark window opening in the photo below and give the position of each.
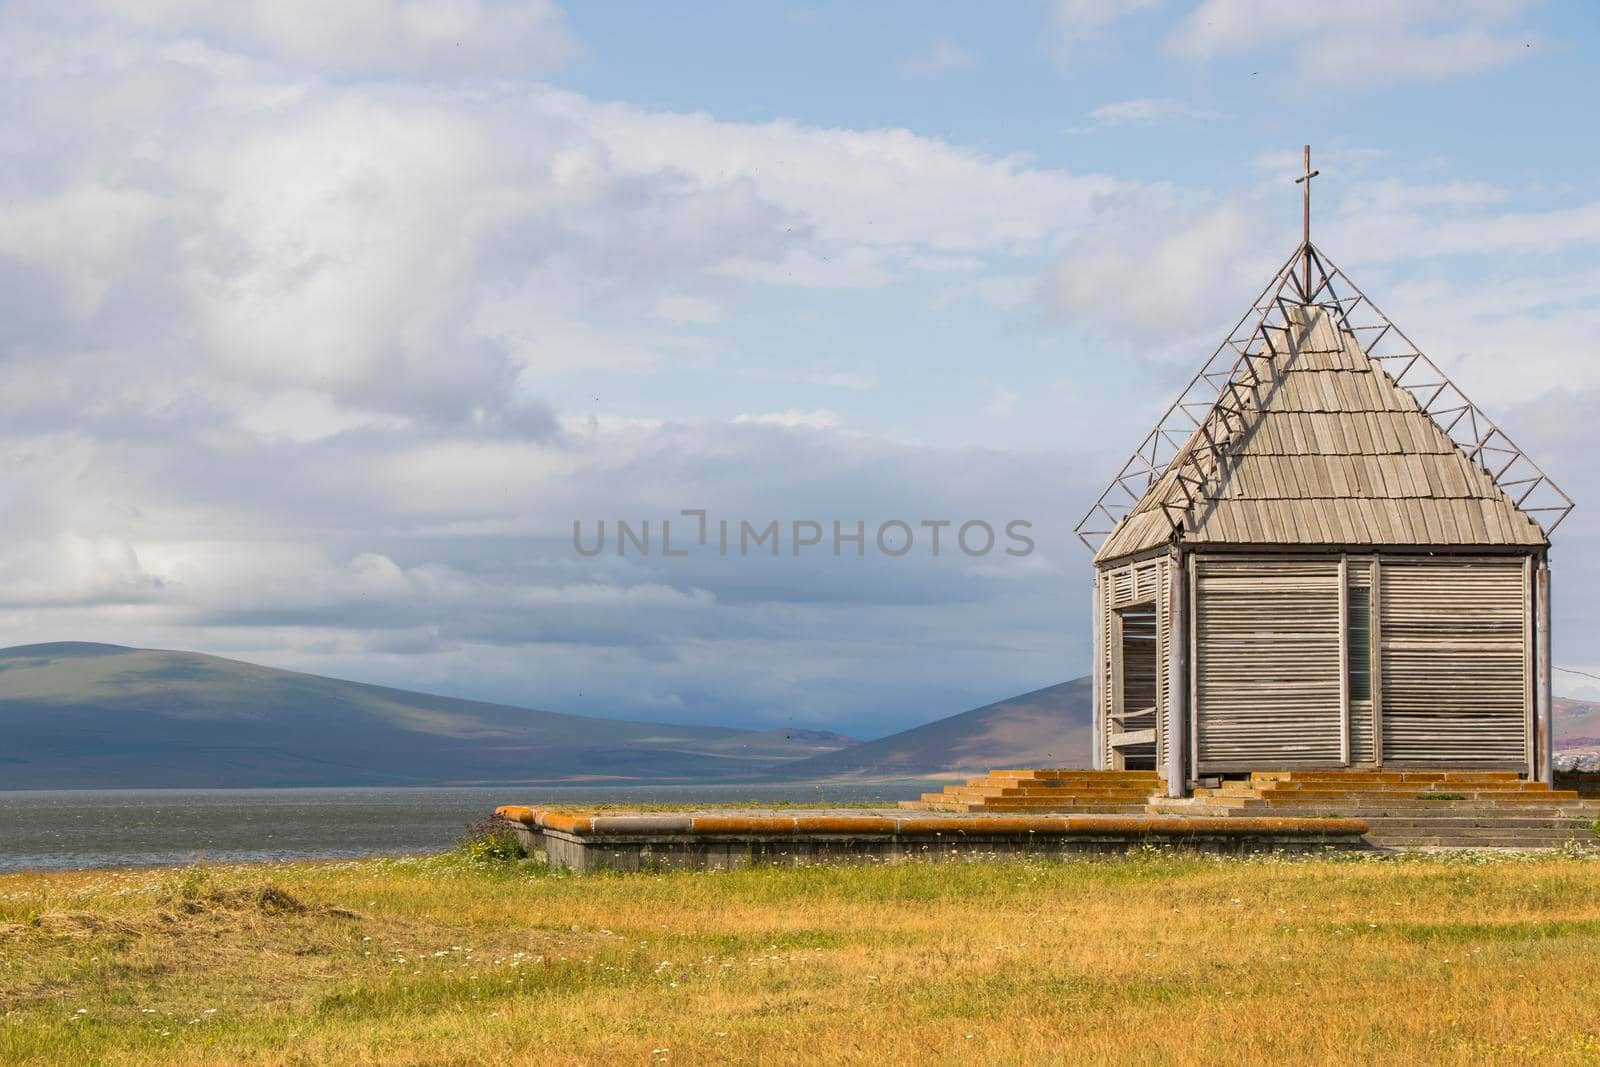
(1358, 631)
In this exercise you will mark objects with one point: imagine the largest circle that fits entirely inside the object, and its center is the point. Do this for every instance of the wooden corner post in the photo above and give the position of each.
(1544, 725)
(1177, 709)
(1098, 677)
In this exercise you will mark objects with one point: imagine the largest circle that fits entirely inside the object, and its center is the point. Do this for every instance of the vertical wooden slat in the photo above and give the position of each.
(1344, 659)
(1547, 744)
(1177, 684)
(1163, 601)
(1107, 592)
(1099, 682)
(1376, 624)
(1528, 642)
(1189, 668)
(1118, 685)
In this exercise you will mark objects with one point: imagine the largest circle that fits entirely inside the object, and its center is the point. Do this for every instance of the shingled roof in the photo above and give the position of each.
(1322, 448)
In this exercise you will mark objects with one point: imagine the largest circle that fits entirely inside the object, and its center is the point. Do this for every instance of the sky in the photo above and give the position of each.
(323, 324)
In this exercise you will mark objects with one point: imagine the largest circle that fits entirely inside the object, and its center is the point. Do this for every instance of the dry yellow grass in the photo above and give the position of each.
(1157, 959)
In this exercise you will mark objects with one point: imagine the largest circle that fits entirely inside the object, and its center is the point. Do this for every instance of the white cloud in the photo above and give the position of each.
(844, 380)
(940, 59)
(872, 189)
(276, 368)
(1353, 59)
(371, 36)
(790, 420)
(1076, 23)
(433, 251)
(1395, 233)
(828, 379)
(1146, 111)
(681, 307)
(1393, 194)
(1002, 402)
(1009, 292)
(1506, 338)
(330, 259)
(1490, 292)
(1363, 42)
(419, 558)
(1165, 276)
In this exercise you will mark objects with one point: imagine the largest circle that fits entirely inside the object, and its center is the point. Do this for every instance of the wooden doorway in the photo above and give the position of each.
(1134, 662)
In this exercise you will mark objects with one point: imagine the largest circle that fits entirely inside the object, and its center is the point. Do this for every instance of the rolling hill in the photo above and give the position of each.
(77, 715)
(1048, 727)
(1579, 725)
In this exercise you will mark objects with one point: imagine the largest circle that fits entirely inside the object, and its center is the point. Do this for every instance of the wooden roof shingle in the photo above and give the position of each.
(1331, 452)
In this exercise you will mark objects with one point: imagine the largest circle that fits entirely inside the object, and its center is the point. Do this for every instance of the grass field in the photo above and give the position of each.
(1158, 959)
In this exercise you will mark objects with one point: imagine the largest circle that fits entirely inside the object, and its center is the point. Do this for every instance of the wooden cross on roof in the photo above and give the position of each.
(1305, 180)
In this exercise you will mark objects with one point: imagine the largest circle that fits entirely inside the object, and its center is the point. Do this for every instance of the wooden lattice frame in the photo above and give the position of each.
(1193, 433)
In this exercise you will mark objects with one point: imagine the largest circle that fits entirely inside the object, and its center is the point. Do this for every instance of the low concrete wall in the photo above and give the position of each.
(1585, 783)
(641, 841)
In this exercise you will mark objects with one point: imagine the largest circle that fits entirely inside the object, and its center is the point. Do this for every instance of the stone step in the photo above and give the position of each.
(971, 793)
(1450, 842)
(1393, 787)
(1478, 833)
(1576, 813)
(1047, 803)
(1079, 776)
(1424, 809)
(1018, 786)
(1088, 807)
(1411, 791)
(1082, 802)
(1058, 786)
(1383, 831)
(1514, 839)
(1292, 789)
(1198, 805)
(1390, 776)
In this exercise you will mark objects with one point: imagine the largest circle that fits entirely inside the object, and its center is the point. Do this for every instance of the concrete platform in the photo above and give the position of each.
(630, 841)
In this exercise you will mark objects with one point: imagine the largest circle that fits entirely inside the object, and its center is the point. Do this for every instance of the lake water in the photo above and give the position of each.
(71, 829)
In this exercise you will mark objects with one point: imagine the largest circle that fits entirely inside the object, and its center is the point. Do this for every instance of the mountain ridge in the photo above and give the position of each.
(85, 715)
(88, 715)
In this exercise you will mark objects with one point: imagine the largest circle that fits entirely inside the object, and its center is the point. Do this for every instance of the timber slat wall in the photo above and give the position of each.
(1453, 662)
(1268, 671)
(1163, 683)
(1132, 618)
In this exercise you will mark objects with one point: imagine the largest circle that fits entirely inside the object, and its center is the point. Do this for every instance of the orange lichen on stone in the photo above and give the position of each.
(640, 824)
(845, 824)
(742, 824)
(1131, 825)
(517, 813)
(565, 823)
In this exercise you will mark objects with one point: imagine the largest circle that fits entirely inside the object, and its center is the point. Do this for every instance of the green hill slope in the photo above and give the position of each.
(76, 715)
